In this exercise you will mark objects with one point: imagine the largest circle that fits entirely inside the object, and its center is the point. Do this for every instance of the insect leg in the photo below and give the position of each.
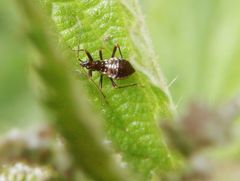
(113, 83)
(94, 84)
(89, 73)
(122, 86)
(87, 53)
(101, 81)
(100, 55)
(115, 49)
(128, 85)
(119, 50)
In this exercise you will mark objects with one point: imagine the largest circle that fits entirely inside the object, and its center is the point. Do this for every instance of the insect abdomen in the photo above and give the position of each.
(125, 69)
(117, 68)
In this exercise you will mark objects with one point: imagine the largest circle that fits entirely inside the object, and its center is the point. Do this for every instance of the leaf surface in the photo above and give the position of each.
(132, 114)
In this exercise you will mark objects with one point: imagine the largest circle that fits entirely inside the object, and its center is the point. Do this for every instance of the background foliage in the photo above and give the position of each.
(204, 36)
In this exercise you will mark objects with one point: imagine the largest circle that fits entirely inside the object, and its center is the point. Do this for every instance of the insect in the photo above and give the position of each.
(113, 68)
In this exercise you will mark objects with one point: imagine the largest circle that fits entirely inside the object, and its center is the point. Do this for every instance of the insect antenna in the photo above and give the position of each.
(102, 95)
(86, 74)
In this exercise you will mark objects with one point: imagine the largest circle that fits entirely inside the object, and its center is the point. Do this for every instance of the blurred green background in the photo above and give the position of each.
(18, 105)
(198, 43)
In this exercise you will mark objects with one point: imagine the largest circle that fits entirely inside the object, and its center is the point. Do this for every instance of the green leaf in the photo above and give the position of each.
(132, 114)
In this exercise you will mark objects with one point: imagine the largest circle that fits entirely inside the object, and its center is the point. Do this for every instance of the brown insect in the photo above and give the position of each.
(113, 68)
